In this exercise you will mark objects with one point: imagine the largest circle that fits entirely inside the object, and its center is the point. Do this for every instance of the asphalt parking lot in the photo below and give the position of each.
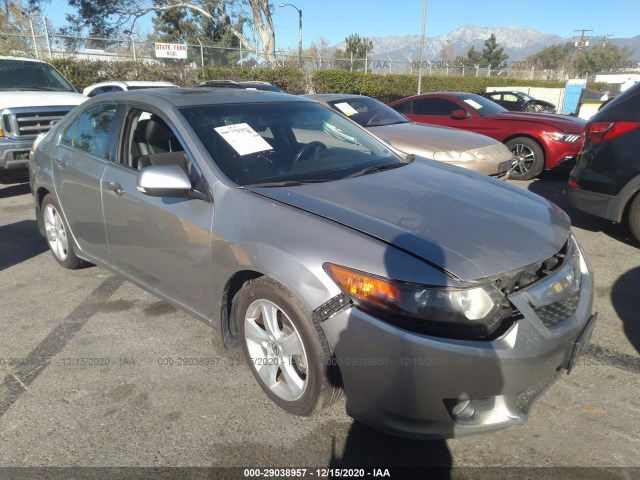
(98, 373)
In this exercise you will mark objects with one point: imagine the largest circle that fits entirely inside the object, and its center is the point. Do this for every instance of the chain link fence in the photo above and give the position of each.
(43, 45)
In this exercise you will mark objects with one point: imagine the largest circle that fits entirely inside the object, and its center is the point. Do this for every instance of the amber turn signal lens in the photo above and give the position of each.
(358, 285)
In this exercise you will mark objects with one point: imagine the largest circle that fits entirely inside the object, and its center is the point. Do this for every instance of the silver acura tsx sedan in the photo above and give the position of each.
(440, 301)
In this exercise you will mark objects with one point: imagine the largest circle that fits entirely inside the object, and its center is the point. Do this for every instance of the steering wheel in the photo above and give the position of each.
(307, 149)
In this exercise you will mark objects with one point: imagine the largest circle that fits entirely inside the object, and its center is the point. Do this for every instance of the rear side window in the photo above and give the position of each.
(624, 107)
(93, 129)
(434, 106)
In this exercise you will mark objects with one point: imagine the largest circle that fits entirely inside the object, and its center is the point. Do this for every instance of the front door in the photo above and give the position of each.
(164, 243)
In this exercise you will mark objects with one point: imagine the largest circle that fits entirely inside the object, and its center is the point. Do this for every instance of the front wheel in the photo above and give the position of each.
(287, 352)
(58, 237)
(528, 156)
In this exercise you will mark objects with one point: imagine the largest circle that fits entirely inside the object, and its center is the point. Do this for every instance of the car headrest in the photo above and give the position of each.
(159, 134)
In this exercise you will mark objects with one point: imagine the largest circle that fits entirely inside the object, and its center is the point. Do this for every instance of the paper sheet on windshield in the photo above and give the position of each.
(345, 108)
(473, 103)
(243, 139)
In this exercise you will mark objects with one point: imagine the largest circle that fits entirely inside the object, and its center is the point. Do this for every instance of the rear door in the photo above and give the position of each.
(79, 161)
(163, 243)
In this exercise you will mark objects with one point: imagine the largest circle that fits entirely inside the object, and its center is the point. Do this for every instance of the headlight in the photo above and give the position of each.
(564, 137)
(456, 156)
(445, 311)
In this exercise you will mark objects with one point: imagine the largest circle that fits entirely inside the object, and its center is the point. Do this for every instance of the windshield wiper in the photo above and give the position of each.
(285, 183)
(38, 87)
(387, 124)
(375, 169)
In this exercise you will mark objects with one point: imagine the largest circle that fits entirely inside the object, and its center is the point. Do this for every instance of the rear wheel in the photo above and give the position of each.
(529, 158)
(58, 237)
(287, 352)
(634, 217)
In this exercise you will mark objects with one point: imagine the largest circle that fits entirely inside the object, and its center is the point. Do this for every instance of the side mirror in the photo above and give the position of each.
(459, 115)
(164, 181)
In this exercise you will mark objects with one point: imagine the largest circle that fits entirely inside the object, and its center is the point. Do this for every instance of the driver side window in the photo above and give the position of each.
(150, 141)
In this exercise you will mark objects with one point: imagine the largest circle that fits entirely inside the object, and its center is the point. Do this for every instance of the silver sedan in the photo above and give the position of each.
(451, 145)
(442, 302)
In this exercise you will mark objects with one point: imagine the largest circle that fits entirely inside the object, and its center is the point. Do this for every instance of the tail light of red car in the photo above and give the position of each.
(599, 132)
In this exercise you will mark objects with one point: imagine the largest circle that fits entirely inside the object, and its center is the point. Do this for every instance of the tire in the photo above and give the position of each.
(634, 217)
(289, 357)
(529, 158)
(60, 242)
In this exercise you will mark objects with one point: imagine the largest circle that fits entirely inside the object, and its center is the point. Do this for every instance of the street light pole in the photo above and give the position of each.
(299, 30)
(424, 21)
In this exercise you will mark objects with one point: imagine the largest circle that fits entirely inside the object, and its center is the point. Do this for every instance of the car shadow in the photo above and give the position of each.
(552, 185)
(626, 302)
(371, 449)
(15, 190)
(19, 242)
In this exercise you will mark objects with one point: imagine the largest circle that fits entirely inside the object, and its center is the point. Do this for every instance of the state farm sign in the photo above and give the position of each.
(171, 50)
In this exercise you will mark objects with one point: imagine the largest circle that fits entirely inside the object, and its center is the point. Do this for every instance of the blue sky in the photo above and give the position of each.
(336, 19)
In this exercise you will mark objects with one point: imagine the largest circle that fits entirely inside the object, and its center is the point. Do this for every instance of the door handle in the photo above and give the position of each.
(115, 187)
(59, 161)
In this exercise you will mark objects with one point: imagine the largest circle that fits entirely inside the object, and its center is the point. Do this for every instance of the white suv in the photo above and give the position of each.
(33, 97)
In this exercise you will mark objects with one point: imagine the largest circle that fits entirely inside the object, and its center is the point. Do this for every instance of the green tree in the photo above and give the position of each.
(108, 18)
(492, 53)
(555, 57)
(356, 49)
(601, 58)
(472, 59)
(15, 33)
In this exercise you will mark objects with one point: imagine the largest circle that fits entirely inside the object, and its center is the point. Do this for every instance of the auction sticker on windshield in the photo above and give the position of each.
(243, 139)
(347, 109)
(473, 103)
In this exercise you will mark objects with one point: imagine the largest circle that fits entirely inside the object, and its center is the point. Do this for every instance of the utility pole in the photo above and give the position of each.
(604, 39)
(583, 40)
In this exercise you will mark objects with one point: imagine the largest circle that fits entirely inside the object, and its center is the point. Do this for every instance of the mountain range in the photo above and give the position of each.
(517, 42)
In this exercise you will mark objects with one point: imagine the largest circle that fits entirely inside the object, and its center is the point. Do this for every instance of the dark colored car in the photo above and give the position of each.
(442, 301)
(247, 85)
(520, 102)
(606, 179)
(538, 141)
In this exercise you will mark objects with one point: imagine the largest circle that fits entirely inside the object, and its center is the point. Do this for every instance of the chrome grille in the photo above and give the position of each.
(29, 122)
(34, 123)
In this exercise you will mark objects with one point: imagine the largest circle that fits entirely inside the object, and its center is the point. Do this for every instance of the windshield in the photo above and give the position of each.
(483, 106)
(525, 97)
(21, 75)
(286, 143)
(368, 112)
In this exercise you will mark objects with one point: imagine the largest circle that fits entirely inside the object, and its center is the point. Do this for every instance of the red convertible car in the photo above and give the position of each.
(538, 141)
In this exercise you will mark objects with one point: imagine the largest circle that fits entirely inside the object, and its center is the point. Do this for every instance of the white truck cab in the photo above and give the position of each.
(33, 97)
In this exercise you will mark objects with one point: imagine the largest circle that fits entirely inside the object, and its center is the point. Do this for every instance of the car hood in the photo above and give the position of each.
(562, 122)
(425, 140)
(17, 98)
(465, 223)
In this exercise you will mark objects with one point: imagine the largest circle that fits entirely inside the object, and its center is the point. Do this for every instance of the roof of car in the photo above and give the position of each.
(331, 97)
(186, 97)
(22, 59)
(134, 83)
